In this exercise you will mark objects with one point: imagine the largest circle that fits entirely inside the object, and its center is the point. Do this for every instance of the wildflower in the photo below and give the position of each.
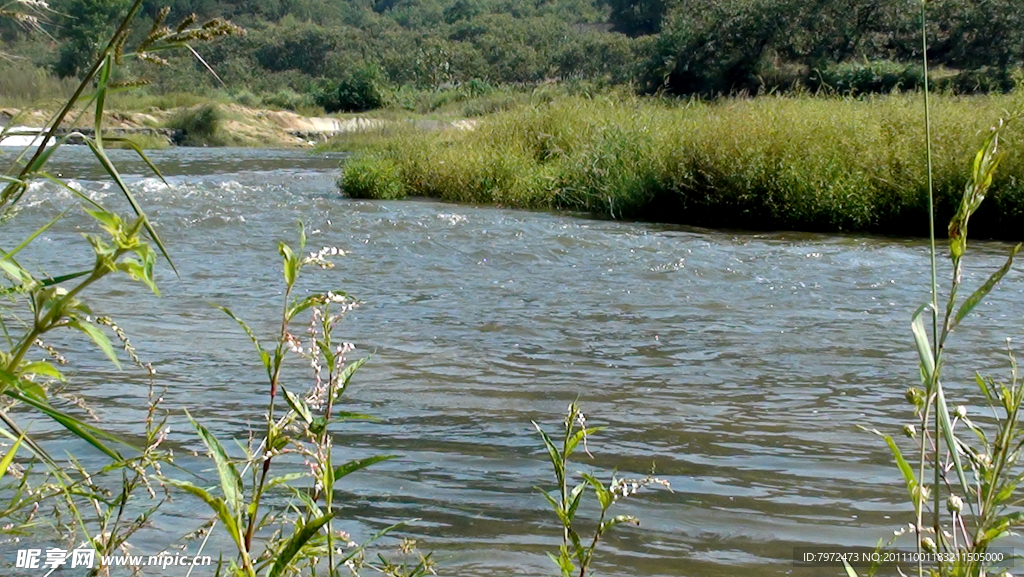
(954, 504)
(319, 258)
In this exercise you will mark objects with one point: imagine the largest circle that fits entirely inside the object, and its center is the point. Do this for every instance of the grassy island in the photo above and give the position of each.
(771, 162)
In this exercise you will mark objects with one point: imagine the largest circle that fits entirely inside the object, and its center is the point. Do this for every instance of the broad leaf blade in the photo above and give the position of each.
(230, 480)
(355, 465)
(295, 544)
(977, 296)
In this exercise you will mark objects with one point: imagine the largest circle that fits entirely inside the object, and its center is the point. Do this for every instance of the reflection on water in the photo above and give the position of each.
(741, 364)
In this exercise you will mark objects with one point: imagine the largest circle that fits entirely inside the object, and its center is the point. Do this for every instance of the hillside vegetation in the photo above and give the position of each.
(357, 55)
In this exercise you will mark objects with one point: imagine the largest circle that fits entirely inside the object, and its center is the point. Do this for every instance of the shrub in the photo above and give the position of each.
(361, 88)
(288, 100)
(876, 76)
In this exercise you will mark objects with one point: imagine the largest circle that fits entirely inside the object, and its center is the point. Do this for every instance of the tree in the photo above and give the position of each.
(84, 24)
(638, 17)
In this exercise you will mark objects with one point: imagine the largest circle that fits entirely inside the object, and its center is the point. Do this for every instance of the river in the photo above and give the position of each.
(739, 364)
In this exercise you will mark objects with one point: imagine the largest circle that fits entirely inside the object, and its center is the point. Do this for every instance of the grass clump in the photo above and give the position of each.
(373, 178)
(773, 162)
(201, 125)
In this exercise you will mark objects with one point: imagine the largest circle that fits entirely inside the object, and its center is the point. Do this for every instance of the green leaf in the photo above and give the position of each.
(291, 263)
(346, 375)
(230, 480)
(575, 496)
(98, 337)
(264, 355)
(904, 466)
(16, 272)
(285, 479)
(298, 405)
(87, 433)
(578, 436)
(556, 507)
(355, 465)
(116, 177)
(216, 504)
(28, 240)
(849, 570)
(5, 463)
(946, 427)
(556, 458)
(620, 519)
(977, 296)
(604, 496)
(301, 536)
(924, 348)
(983, 386)
(41, 368)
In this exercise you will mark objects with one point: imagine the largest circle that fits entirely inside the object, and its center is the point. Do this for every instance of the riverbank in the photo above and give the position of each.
(218, 124)
(776, 162)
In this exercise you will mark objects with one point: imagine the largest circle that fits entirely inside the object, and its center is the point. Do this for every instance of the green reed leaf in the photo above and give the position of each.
(82, 196)
(100, 97)
(924, 348)
(355, 465)
(977, 296)
(556, 507)
(575, 497)
(98, 337)
(28, 240)
(5, 463)
(87, 433)
(946, 428)
(230, 480)
(849, 570)
(983, 387)
(111, 170)
(285, 479)
(64, 278)
(298, 540)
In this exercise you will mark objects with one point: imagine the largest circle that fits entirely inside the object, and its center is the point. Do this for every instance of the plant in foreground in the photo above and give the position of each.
(301, 433)
(963, 491)
(576, 553)
(93, 509)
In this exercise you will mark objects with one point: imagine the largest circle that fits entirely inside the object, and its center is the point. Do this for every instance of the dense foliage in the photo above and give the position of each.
(357, 54)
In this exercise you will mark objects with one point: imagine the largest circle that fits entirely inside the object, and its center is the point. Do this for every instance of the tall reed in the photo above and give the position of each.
(974, 475)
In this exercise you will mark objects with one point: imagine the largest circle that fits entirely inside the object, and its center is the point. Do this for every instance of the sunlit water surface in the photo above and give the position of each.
(739, 364)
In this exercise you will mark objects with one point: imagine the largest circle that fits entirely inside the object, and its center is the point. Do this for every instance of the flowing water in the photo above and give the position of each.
(739, 364)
